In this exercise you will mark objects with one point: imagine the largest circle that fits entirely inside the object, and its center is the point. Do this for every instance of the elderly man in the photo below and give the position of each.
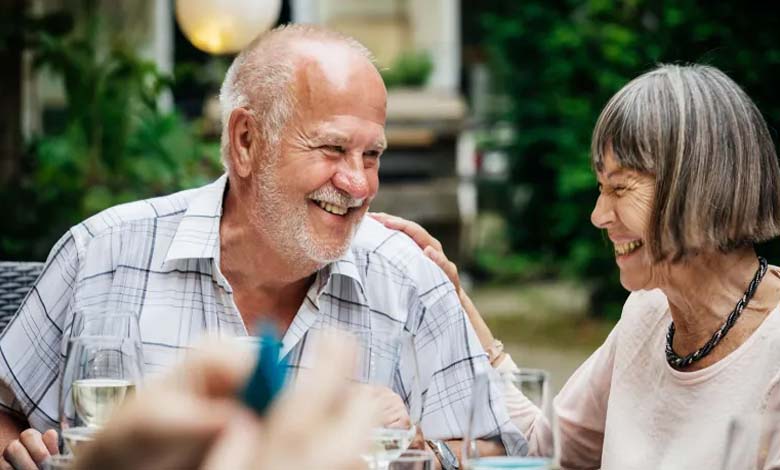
(281, 237)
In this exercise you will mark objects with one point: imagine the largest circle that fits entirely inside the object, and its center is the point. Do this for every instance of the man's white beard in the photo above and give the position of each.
(286, 223)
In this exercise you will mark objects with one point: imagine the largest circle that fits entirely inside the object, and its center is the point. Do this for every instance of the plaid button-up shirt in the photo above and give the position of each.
(159, 258)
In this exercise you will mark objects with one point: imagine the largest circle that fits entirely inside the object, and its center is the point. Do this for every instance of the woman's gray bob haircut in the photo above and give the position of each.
(261, 79)
(717, 182)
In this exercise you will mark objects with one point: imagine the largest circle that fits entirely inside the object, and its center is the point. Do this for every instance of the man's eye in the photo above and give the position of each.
(334, 148)
(372, 153)
(619, 190)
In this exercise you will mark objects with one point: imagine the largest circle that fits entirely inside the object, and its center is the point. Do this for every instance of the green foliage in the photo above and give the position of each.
(114, 144)
(558, 62)
(410, 69)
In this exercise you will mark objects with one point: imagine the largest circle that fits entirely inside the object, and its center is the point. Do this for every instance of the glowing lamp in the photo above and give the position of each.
(225, 26)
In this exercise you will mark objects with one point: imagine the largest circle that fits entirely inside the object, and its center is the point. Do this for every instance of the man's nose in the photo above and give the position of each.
(351, 178)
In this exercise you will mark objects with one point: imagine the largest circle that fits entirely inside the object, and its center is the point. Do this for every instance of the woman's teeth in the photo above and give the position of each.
(333, 209)
(627, 248)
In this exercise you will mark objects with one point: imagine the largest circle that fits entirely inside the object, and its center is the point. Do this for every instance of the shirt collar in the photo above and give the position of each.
(345, 266)
(197, 235)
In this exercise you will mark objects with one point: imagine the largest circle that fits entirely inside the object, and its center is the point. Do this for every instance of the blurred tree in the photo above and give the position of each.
(114, 145)
(558, 62)
(11, 13)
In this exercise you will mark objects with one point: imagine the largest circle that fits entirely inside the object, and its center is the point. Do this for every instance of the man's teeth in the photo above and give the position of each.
(626, 248)
(333, 209)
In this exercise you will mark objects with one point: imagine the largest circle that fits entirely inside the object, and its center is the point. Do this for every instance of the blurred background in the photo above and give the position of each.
(491, 107)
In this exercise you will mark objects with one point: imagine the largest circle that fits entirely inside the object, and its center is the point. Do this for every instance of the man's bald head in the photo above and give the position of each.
(263, 75)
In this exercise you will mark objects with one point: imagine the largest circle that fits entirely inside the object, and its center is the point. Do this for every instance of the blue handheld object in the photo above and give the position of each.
(267, 379)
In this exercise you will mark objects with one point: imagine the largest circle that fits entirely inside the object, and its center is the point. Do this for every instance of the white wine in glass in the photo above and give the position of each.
(96, 399)
(99, 374)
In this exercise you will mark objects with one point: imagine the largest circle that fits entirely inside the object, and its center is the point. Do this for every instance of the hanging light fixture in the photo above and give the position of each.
(225, 26)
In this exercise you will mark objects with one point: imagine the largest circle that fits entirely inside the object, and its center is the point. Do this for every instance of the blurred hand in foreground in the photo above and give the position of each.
(193, 418)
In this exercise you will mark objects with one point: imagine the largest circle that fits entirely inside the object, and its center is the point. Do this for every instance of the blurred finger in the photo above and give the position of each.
(32, 440)
(168, 428)
(215, 369)
(237, 445)
(334, 350)
(348, 431)
(51, 441)
(16, 455)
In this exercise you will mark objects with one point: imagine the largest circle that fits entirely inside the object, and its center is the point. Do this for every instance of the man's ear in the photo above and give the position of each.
(242, 141)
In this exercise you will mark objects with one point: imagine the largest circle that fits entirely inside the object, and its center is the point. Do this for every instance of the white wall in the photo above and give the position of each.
(434, 26)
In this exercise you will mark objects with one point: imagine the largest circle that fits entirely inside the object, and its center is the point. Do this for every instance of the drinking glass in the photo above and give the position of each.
(383, 352)
(59, 462)
(534, 384)
(414, 460)
(753, 442)
(99, 373)
(94, 322)
(517, 387)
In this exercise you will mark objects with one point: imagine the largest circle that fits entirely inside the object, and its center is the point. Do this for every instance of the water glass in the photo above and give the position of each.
(521, 388)
(534, 384)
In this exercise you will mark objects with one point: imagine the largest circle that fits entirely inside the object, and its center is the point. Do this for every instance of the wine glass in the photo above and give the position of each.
(753, 442)
(95, 322)
(524, 385)
(383, 353)
(99, 374)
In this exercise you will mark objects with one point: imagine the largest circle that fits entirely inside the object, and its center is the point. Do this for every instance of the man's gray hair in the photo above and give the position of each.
(261, 79)
(717, 181)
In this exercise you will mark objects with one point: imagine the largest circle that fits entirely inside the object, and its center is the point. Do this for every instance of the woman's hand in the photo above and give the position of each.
(433, 250)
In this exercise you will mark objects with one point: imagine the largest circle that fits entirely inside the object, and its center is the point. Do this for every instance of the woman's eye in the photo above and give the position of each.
(619, 190)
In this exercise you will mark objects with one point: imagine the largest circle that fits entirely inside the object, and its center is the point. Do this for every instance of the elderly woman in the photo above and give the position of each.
(689, 182)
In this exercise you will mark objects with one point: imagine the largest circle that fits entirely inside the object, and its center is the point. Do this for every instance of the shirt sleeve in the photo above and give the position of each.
(581, 408)
(451, 358)
(31, 346)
